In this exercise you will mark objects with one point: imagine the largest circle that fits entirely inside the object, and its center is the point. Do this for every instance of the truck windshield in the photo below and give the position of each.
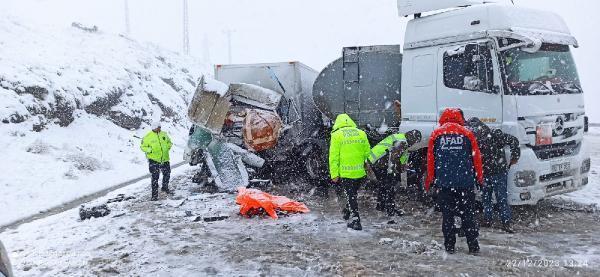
(551, 70)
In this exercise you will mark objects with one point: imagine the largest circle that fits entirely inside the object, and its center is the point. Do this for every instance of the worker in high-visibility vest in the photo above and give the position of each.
(348, 150)
(387, 171)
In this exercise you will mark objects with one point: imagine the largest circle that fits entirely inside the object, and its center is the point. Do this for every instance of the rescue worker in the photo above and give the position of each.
(387, 171)
(495, 169)
(454, 168)
(157, 144)
(348, 151)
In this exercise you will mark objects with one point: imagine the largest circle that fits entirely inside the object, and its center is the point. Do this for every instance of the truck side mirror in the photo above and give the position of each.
(533, 46)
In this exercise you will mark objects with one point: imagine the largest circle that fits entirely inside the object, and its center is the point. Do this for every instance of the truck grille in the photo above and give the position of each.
(546, 152)
(556, 175)
(551, 176)
(554, 187)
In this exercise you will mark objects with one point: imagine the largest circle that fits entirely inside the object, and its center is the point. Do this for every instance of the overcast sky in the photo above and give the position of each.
(310, 31)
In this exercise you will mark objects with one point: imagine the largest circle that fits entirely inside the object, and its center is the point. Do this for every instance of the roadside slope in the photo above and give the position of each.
(74, 102)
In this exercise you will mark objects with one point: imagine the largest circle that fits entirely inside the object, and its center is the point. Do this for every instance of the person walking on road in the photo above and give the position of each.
(387, 171)
(156, 145)
(454, 168)
(495, 169)
(348, 151)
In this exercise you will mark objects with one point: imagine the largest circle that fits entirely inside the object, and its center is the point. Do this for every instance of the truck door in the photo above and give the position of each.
(468, 80)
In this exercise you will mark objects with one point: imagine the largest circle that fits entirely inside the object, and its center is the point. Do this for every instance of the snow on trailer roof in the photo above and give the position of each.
(410, 7)
(246, 65)
(487, 20)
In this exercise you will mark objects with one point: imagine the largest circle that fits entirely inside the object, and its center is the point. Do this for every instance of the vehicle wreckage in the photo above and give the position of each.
(253, 119)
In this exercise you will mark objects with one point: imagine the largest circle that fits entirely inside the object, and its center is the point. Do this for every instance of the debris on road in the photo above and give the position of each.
(211, 218)
(120, 198)
(386, 241)
(255, 202)
(96, 211)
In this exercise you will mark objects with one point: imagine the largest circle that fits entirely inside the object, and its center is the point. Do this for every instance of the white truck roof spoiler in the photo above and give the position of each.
(410, 7)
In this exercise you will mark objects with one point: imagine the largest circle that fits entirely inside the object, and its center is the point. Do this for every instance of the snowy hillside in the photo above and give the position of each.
(72, 102)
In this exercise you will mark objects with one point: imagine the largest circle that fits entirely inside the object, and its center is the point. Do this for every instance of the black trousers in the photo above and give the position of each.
(461, 203)
(155, 169)
(416, 169)
(386, 191)
(350, 187)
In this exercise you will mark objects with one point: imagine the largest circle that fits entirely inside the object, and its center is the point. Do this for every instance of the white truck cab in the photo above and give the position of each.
(512, 68)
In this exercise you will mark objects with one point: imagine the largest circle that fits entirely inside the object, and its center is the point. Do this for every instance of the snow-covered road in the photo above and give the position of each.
(143, 238)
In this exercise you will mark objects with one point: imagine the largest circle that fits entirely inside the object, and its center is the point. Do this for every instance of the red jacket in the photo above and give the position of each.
(452, 129)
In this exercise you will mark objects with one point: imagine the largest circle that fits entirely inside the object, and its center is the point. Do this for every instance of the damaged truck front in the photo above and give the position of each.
(255, 119)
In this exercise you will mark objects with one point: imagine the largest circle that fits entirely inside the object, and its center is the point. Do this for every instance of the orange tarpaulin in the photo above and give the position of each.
(251, 201)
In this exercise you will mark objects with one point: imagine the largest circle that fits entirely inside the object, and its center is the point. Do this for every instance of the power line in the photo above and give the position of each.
(228, 32)
(127, 24)
(206, 49)
(186, 26)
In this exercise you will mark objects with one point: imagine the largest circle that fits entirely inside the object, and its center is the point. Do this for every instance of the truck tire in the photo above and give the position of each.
(316, 169)
(202, 176)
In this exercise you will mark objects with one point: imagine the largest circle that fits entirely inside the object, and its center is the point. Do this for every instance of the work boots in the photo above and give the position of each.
(166, 190)
(346, 214)
(473, 247)
(355, 224)
(474, 250)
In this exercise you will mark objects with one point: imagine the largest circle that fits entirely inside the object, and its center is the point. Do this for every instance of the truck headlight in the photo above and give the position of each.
(525, 178)
(585, 166)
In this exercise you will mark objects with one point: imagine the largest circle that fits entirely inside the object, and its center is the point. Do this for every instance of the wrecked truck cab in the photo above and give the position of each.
(224, 118)
(259, 114)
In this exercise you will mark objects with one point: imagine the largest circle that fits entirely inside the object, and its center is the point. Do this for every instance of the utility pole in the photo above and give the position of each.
(228, 32)
(206, 49)
(186, 29)
(127, 25)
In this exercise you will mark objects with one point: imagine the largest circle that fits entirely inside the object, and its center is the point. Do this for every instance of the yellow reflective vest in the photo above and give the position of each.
(385, 146)
(156, 146)
(348, 150)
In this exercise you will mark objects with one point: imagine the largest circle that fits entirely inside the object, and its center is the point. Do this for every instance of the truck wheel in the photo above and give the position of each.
(314, 165)
(202, 176)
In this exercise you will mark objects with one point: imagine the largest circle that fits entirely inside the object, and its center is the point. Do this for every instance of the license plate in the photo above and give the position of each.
(561, 167)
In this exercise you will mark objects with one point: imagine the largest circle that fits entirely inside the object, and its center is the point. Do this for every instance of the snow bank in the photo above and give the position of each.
(46, 75)
(73, 105)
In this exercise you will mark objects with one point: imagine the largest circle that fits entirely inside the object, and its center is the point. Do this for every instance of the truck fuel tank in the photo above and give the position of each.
(364, 83)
